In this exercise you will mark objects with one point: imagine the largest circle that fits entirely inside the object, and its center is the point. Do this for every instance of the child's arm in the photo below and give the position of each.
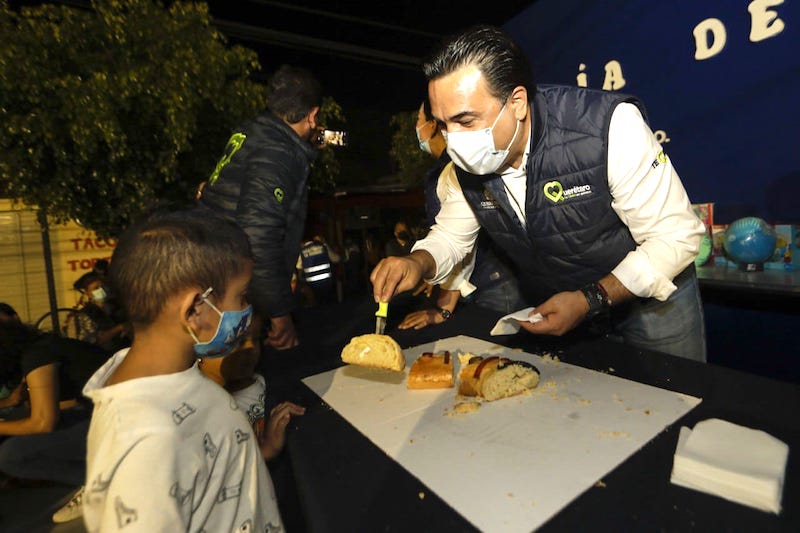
(274, 436)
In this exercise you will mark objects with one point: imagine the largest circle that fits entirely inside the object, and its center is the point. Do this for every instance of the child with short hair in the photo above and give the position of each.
(168, 449)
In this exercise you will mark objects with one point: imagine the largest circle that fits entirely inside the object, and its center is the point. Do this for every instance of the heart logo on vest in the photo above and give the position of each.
(553, 191)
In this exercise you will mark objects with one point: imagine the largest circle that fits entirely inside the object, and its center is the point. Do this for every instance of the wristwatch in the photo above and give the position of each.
(446, 314)
(597, 297)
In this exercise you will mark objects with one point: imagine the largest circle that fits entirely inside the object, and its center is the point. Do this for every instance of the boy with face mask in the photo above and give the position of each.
(167, 447)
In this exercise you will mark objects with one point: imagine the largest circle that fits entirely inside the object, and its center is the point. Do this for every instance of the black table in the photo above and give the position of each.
(346, 483)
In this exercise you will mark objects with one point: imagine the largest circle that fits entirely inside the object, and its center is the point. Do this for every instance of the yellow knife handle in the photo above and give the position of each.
(383, 309)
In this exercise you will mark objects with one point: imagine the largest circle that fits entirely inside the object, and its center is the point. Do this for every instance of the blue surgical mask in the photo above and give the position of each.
(231, 330)
(425, 146)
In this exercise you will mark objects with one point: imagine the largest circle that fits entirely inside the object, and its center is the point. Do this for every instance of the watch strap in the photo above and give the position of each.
(597, 298)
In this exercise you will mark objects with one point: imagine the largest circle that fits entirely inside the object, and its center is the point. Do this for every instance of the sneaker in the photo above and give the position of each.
(72, 510)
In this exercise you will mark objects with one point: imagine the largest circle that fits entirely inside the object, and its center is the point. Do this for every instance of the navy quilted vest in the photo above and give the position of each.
(572, 236)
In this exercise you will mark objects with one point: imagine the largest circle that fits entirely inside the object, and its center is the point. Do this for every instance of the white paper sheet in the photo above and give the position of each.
(514, 463)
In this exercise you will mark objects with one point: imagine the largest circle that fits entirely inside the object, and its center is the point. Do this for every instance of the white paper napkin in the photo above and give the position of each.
(508, 324)
(740, 464)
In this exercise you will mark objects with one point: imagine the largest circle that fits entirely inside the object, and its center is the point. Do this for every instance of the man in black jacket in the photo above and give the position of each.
(261, 182)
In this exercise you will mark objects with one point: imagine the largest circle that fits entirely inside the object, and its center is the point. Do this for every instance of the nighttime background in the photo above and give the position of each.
(366, 54)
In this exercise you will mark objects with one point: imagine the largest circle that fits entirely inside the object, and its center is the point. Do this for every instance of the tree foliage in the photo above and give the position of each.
(411, 161)
(110, 112)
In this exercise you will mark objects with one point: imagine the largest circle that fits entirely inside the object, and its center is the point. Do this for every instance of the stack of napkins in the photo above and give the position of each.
(737, 463)
(508, 325)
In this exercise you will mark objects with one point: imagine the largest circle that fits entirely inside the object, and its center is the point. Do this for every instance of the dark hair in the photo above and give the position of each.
(82, 282)
(426, 110)
(15, 338)
(101, 267)
(6, 309)
(292, 92)
(500, 59)
(169, 252)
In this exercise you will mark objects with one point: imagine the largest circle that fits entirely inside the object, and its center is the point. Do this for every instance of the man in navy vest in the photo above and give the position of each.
(573, 185)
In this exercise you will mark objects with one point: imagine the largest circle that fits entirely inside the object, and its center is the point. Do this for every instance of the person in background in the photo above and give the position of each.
(573, 185)
(261, 183)
(316, 264)
(96, 324)
(484, 277)
(8, 313)
(153, 405)
(353, 264)
(45, 440)
(401, 242)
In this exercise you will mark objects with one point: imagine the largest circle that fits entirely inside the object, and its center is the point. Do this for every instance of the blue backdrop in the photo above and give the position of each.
(730, 121)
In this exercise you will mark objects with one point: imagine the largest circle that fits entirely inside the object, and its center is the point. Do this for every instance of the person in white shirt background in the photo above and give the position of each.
(572, 183)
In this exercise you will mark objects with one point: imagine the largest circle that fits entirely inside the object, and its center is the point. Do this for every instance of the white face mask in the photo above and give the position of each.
(99, 294)
(474, 151)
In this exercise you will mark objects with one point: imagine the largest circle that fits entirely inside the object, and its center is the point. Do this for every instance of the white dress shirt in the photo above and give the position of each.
(458, 279)
(648, 197)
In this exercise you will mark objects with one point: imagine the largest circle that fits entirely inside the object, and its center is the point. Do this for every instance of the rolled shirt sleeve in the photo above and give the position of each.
(650, 199)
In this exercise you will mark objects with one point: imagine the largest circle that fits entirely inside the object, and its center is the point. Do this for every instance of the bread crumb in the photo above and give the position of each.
(614, 434)
(411, 441)
(611, 369)
(510, 494)
(600, 484)
(584, 401)
(647, 411)
(466, 407)
(629, 409)
(421, 495)
(464, 357)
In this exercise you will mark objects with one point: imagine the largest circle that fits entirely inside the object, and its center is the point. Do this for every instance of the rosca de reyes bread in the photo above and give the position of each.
(378, 351)
(492, 378)
(431, 371)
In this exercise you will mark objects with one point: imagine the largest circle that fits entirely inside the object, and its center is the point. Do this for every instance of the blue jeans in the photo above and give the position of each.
(503, 297)
(674, 326)
(57, 456)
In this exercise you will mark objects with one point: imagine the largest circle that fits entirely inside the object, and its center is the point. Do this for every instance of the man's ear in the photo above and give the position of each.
(312, 117)
(519, 102)
(192, 309)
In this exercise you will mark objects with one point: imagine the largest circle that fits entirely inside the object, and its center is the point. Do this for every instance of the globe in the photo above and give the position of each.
(750, 240)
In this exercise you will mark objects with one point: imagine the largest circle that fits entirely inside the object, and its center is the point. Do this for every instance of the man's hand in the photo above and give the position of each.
(561, 312)
(398, 274)
(282, 334)
(420, 319)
